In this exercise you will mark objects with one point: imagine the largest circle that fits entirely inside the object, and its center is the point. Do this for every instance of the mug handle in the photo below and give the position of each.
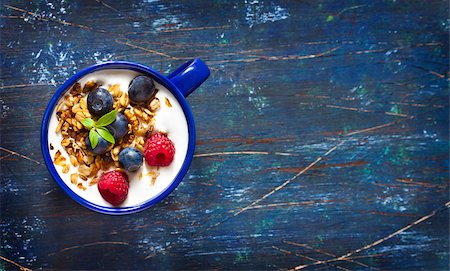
(189, 76)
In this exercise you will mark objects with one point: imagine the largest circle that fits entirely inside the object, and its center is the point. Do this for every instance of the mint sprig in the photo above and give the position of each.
(106, 119)
(93, 137)
(103, 132)
(97, 129)
(88, 123)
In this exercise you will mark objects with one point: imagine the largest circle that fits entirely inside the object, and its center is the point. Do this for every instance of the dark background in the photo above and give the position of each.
(322, 132)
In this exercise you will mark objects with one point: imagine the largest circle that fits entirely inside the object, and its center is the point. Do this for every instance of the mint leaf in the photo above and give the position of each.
(106, 135)
(88, 123)
(106, 119)
(93, 138)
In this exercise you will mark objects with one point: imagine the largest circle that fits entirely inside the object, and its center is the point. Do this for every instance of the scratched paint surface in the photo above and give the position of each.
(322, 135)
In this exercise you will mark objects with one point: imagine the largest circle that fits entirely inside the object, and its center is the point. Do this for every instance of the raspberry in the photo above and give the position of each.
(159, 150)
(113, 186)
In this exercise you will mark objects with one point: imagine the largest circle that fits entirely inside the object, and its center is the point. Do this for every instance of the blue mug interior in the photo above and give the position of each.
(161, 79)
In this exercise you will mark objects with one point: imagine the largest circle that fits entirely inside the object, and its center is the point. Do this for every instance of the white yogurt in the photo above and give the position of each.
(168, 119)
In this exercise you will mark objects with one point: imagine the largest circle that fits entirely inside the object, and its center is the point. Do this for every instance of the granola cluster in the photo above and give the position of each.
(70, 112)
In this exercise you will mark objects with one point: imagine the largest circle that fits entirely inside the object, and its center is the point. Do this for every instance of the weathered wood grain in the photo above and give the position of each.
(322, 135)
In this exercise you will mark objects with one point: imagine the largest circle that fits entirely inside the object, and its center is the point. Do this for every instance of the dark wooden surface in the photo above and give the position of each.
(322, 135)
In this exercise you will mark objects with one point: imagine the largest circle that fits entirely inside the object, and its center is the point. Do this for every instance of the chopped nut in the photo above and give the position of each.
(81, 186)
(116, 104)
(84, 170)
(58, 128)
(135, 123)
(66, 168)
(73, 161)
(148, 112)
(65, 142)
(116, 150)
(84, 178)
(68, 100)
(127, 113)
(69, 151)
(59, 108)
(76, 99)
(141, 140)
(65, 114)
(79, 138)
(79, 156)
(93, 181)
(124, 144)
(87, 114)
(79, 125)
(154, 105)
(83, 103)
(124, 100)
(94, 170)
(90, 85)
(168, 102)
(154, 174)
(140, 147)
(132, 119)
(149, 131)
(76, 108)
(76, 89)
(74, 178)
(82, 144)
(98, 162)
(115, 90)
(141, 132)
(59, 159)
(137, 112)
(115, 157)
(145, 116)
(79, 116)
(110, 147)
(71, 132)
(88, 159)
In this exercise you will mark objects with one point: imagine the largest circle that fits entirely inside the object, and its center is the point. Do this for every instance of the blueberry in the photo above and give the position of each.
(101, 147)
(130, 159)
(141, 89)
(119, 127)
(99, 102)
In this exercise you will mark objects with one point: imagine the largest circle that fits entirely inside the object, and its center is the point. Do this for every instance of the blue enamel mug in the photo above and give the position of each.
(180, 83)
